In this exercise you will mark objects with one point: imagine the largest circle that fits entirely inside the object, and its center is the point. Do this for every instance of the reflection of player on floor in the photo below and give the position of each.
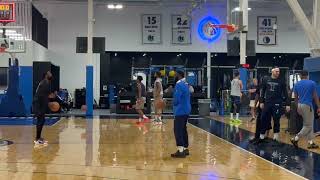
(236, 86)
(40, 105)
(273, 93)
(181, 110)
(141, 99)
(305, 93)
(158, 98)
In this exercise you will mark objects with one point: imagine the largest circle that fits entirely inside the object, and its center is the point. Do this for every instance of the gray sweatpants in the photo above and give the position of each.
(308, 118)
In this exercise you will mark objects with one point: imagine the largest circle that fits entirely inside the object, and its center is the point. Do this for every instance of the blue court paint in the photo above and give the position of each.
(25, 87)
(26, 121)
(89, 90)
(299, 161)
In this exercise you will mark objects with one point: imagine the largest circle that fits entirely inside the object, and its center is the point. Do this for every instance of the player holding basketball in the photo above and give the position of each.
(158, 98)
(40, 105)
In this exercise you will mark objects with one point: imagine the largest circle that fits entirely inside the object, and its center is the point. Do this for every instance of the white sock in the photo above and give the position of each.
(231, 115)
(237, 115)
(276, 136)
(310, 142)
(184, 148)
(180, 148)
(140, 119)
(261, 136)
(267, 133)
(296, 138)
(144, 116)
(159, 118)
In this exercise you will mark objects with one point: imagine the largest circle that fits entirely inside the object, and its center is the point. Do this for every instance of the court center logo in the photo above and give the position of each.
(207, 32)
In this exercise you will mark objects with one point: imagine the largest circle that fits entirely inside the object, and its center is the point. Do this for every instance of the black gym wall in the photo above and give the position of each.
(219, 75)
(115, 67)
(39, 28)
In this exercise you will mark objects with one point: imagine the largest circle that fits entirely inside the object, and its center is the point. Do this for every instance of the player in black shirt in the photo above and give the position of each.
(40, 105)
(273, 94)
(259, 123)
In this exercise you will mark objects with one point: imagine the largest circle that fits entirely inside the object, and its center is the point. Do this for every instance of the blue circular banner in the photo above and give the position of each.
(207, 32)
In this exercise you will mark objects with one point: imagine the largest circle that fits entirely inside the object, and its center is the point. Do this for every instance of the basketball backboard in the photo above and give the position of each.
(12, 39)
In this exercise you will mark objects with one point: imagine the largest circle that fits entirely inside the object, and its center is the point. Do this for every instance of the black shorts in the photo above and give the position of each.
(40, 106)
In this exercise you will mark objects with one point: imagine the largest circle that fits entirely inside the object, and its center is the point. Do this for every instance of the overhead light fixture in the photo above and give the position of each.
(111, 6)
(238, 9)
(144, 54)
(119, 6)
(115, 6)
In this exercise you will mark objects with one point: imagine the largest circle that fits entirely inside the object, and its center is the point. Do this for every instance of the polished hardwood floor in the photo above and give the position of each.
(284, 135)
(119, 149)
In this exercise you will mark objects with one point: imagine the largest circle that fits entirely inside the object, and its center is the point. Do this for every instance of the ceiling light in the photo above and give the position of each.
(119, 6)
(238, 9)
(115, 6)
(144, 54)
(111, 6)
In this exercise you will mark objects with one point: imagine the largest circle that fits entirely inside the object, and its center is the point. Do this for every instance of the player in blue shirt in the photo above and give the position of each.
(181, 111)
(305, 94)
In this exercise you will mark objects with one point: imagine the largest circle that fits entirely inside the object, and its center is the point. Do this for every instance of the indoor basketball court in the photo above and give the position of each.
(159, 89)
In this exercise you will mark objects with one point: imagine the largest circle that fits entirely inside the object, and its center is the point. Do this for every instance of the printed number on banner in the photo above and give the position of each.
(185, 22)
(266, 22)
(152, 20)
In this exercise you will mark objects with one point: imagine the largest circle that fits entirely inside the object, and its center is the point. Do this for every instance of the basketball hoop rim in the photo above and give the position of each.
(231, 28)
(3, 49)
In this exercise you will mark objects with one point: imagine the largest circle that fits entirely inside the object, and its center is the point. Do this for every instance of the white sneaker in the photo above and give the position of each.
(40, 142)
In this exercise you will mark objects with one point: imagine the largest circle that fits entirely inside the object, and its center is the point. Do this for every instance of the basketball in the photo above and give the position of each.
(163, 72)
(54, 106)
(84, 108)
(160, 104)
(172, 73)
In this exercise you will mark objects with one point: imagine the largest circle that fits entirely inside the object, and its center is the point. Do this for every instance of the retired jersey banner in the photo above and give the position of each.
(181, 29)
(151, 29)
(266, 30)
